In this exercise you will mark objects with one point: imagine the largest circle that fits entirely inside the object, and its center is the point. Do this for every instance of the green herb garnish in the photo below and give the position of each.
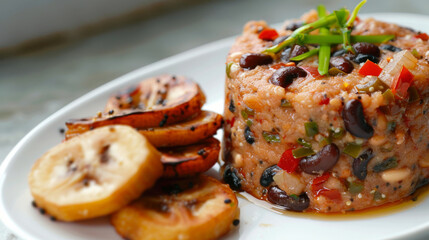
(355, 187)
(311, 129)
(303, 143)
(388, 163)
(305, 55)
(302, 152)
(413, 94)
(285, 103)
(325, 49)
(352, 149)
(271, 137)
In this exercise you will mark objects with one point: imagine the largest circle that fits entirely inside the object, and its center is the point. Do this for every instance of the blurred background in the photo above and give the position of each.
(53, 51)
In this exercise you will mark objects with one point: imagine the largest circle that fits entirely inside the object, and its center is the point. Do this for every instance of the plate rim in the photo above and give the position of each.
(9, 222)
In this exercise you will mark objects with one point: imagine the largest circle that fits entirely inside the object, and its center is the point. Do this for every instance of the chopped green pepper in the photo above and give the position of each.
(303, 143)
(311, 129)
(294, 196)
(333, 71)
(378, 196)
(285, 103)
(415, 53)
(413, 94)
(388, 163)
(249, 122)
(302, 152)
(352, 149)
(271, 137)
(247, 112)
(375, 84)
(388, 96)
(391, 126)
(336, 133)
(325, 141)
(355, 187)
(228, 69)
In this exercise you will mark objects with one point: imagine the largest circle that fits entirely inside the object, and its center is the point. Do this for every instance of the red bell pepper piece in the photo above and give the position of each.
(324, 101)
(316, 186)
(288, 162)
(332, 194)
(313, 71)
(401, 83)
(268, 34)
(422, 36)
(370, 68)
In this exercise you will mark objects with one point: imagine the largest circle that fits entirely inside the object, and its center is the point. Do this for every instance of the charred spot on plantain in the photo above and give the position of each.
(192, 128)
(42, 211)
(104, 154)
(201, 152)
(172, 189)
(227, 201)
(52, 218)
(62, 130)
(163, 121)
(111, 112)
(236, 222)
(34, 204)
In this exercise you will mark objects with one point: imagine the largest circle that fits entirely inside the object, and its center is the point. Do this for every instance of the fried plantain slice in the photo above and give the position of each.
(181, 134)
(197, 208)
(155, 102)
(190, 160)
(94, 174)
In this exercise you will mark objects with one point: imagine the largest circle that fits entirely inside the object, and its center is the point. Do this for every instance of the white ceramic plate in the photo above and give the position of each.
(206, 65)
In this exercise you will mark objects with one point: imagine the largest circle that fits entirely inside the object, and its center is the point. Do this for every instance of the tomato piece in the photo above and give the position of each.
(313, 71)
(370, 68)
(422, 36)
(288, 162)
(324, 101)
(268, 34)
(332, 194)
(278, 66)
(401, 83)
(231, 122)
(316, 186)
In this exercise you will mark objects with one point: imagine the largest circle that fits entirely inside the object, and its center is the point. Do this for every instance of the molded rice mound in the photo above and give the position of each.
(264, 121)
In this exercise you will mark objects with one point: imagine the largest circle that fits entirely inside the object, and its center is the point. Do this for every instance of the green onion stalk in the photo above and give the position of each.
(325, 49)
(347, 28)
(322, 22)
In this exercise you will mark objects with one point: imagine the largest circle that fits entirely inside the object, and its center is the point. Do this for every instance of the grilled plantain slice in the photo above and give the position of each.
(181, 134)
(94, 174)
(155, 102)
(198, 208)
(190, 160)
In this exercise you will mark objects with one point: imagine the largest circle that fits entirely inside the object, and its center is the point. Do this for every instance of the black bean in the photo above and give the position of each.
(268, 174)
(284, 76)
(294, 25)
(279, 197)
(324, 160)
(231, 106)
(367, 48)
(298, 50)
(251, 60)
(360, 164)
(391, 48)
(354, 120)
(340, 52)
(280, 39)
(342, 64)
(248, 135)
(231, 178)
(361, 58)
